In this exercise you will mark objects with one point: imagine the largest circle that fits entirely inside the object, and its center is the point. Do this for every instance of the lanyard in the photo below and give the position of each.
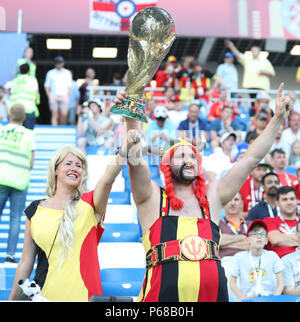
(236, 232)
(257, 277)
(290, 231)
(255, 195)
(287, 178)
(271, 213)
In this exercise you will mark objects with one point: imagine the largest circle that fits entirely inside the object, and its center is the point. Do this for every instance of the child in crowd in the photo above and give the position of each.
(259, 271)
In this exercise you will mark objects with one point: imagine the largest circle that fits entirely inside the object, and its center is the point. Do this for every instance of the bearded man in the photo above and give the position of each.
(181, 235)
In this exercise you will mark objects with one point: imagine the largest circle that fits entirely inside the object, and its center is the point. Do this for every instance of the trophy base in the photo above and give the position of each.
(133, 108)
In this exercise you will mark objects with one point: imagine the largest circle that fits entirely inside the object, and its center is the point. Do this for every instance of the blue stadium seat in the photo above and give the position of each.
(274, 298)
(121, 233)
(122, 281)
(4, 295)
(119, 198)
(291, 170)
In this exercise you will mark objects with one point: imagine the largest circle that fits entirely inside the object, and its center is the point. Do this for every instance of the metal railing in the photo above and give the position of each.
(106, 94)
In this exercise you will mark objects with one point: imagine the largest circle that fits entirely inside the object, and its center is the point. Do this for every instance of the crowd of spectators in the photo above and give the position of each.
(204, 108)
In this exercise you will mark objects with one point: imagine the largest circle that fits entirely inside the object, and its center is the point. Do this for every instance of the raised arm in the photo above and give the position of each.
(139, 172)
(104, 185)
(230, 45)
(225, 189)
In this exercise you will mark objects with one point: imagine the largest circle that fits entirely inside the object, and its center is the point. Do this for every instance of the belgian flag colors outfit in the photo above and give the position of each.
(182, 253)
(181, 265)
(78, 278)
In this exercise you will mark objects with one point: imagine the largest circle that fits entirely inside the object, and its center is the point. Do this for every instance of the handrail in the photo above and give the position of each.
(103, 93)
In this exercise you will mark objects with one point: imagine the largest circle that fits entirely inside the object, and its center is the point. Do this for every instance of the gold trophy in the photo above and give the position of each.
(151, 34)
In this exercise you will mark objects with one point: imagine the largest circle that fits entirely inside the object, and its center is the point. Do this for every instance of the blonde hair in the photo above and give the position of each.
(66, 230)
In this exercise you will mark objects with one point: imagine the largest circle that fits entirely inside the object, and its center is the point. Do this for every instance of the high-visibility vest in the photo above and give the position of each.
(23, 93)
(32, 66)
(16, 143)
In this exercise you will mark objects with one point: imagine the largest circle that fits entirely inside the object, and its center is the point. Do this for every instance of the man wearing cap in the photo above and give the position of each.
(181, 235)
(165, 77)
(161, 130)
(257, 70)
(268, 206)
(252, 190)
(58, 85)
(223, 125)
(261, 121)
(228, 74)
(259, 270)
(221, 160)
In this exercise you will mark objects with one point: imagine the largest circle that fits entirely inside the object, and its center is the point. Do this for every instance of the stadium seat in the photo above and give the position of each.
(120, 214)
(121, 233)
(122, 281)
(291, 170)
(119, 198)
(121, 255)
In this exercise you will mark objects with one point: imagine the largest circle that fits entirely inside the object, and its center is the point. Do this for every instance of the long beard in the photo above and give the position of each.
(272, 192)
(181, 178)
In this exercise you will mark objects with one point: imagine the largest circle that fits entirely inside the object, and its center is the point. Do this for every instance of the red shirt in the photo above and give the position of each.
(216, 109)
(285, 227)
(287, 179)
(250, 195)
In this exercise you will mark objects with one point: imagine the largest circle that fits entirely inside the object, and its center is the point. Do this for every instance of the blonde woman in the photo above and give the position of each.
(64, 230)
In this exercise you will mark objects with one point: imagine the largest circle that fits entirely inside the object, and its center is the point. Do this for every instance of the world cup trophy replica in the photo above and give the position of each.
(151, 34)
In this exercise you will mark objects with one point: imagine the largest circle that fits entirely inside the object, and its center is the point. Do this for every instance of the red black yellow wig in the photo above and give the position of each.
(199, 183)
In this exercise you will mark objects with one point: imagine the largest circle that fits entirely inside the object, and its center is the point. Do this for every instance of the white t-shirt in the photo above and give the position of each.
(266, 266)
(287, 139)
(217, 162)
(59, 81)
(291, 272)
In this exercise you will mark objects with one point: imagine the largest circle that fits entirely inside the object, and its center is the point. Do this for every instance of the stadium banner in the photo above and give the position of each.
(115, 15)
(195, 18)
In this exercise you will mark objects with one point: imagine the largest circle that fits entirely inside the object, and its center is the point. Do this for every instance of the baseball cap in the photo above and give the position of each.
(59, 59)
(229, 55)
(241, 149)
(254, 223)
(172, 59)
(160, 111)
(264, 162)
(227, 135)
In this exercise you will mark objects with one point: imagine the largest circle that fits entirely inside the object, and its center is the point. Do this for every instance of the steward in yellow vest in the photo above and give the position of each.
(24, 90)
(16, 151)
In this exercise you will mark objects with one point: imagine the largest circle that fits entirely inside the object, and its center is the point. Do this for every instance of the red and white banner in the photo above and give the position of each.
(115, 15)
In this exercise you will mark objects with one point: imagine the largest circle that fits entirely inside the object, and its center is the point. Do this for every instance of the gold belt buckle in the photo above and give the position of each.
(193, 248)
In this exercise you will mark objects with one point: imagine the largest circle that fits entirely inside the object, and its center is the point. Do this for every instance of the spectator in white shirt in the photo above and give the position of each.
(216, 164)
(290, 134)
(58, 85)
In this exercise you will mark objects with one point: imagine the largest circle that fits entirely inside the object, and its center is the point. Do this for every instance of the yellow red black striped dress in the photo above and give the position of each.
(178, 279)
(78, 278)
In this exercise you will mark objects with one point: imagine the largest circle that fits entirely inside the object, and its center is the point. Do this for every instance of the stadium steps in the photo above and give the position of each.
(121, 223)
